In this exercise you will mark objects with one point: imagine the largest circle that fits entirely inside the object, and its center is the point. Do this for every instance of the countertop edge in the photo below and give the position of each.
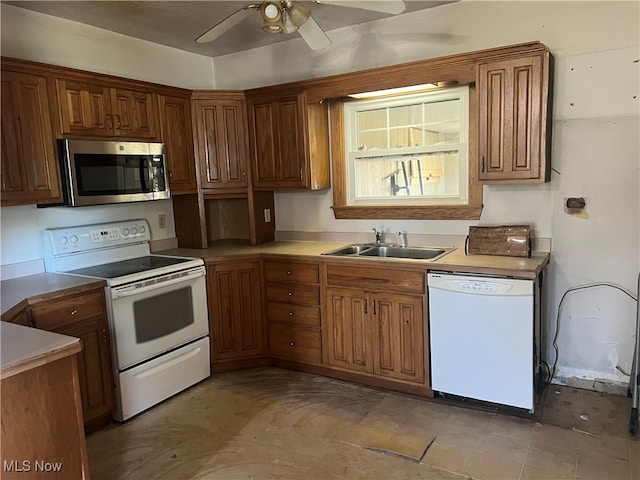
(37, 348)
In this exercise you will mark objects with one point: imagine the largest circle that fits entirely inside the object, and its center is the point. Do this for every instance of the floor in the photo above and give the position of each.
(270, 423)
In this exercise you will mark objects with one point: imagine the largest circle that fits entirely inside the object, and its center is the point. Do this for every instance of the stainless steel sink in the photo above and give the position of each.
(390, 251)
(421, 253)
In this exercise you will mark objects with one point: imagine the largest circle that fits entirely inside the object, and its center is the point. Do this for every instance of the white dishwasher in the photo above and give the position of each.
(482, 338)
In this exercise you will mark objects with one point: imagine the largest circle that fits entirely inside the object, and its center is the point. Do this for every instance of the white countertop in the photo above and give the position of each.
(25, 348)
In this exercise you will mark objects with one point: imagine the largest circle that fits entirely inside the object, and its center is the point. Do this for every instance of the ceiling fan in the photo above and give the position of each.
(288, 16)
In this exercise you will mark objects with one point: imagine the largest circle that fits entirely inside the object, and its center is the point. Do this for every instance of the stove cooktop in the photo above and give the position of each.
(128, 267)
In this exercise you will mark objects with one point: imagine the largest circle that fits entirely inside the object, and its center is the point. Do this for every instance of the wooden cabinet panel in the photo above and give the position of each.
(291, 312)
(85, 108)
(60, 312)
(175, 126)
(375, 278)
(348, 335)
(295, 343)
(42, 422)
(291, 271)
(513, 110)
(289, 141)
(400, 340)
(96, 381)
(221, 140)
(90, 108)
(235, 310)
(30, 172)
(293, 293)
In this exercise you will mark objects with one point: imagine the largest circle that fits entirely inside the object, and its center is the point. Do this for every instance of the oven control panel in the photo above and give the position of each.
(83, 238)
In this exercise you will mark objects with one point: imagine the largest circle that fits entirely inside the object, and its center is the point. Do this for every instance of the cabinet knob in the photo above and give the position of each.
(291, 314)
(292, 344)
(290, 293)
(288, 272)
(118, 123)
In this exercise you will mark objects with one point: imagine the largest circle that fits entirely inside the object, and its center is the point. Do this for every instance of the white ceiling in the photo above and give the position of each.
(178, 23)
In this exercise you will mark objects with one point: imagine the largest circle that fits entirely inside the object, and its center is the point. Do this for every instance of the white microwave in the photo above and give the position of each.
(98, 172)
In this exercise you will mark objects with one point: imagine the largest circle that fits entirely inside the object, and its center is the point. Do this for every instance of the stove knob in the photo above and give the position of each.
(141, 229)
(125, 231)
(73, 239)
(64, 240)
(134, 230)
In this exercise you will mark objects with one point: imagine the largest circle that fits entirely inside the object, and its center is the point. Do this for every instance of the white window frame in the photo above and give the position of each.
(351, 110)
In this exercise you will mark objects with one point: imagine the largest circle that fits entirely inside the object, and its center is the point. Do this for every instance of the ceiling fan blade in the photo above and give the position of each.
(385, 6)
(227, 24)
(315, 37)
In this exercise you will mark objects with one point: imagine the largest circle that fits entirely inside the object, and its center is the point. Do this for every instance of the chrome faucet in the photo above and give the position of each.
(402, 237)
(378, 236)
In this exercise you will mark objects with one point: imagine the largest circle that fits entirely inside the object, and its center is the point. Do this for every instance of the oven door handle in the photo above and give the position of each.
(130, 291)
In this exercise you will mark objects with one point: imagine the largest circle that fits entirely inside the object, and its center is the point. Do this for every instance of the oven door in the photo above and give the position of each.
(156, 315)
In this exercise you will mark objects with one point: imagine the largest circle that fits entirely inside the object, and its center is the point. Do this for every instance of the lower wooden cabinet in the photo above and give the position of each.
(236, 322)
(84, 316)
(371, 329)
(293, 311)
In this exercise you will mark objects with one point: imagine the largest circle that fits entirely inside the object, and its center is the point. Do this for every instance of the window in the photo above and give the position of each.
(408, 150)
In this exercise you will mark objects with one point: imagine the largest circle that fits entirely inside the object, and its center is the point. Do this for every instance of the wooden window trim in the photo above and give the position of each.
(470, 211)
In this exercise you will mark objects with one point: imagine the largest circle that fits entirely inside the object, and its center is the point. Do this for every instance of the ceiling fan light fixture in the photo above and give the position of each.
(271, 16)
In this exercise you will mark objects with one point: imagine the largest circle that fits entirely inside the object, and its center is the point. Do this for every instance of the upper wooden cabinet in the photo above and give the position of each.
(90, 108)
(175, 125)
(514, 121)
(30, 172)
(220, 120)
(289, 141)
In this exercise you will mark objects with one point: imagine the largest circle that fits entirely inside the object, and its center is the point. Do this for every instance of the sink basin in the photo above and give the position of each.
(390, 251)
(349, 250)
(420, 253)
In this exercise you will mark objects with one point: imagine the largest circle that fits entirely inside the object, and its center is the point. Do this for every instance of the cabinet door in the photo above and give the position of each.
(175, 116)
(221, 143)
(399, 339)
(348, 332)
(134, 114)
(94, 367)
(85, 108)
(279, 150)
(30, 171)
(512, 108)
(235, 311)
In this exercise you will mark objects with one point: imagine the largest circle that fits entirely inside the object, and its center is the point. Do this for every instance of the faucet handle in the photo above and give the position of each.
(378, 235)
(403, 238)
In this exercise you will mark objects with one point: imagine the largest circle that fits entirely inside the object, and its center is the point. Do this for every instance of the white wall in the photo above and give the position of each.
(595, 151)
(595, 141)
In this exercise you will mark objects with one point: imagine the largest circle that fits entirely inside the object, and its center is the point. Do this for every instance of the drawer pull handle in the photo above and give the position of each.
(73, 312)
(290, 293)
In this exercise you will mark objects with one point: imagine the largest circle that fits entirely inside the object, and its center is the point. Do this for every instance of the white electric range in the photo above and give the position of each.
(157, 307)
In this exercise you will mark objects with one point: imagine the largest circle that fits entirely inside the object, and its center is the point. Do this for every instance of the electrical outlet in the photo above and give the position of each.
(162, 221)
(267, 215)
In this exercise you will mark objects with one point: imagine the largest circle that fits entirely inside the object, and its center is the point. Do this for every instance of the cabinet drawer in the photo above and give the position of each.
(289, 312)
(295, 343)
(293, 293)
(57, 313)
(377, 279)
(292, 272)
